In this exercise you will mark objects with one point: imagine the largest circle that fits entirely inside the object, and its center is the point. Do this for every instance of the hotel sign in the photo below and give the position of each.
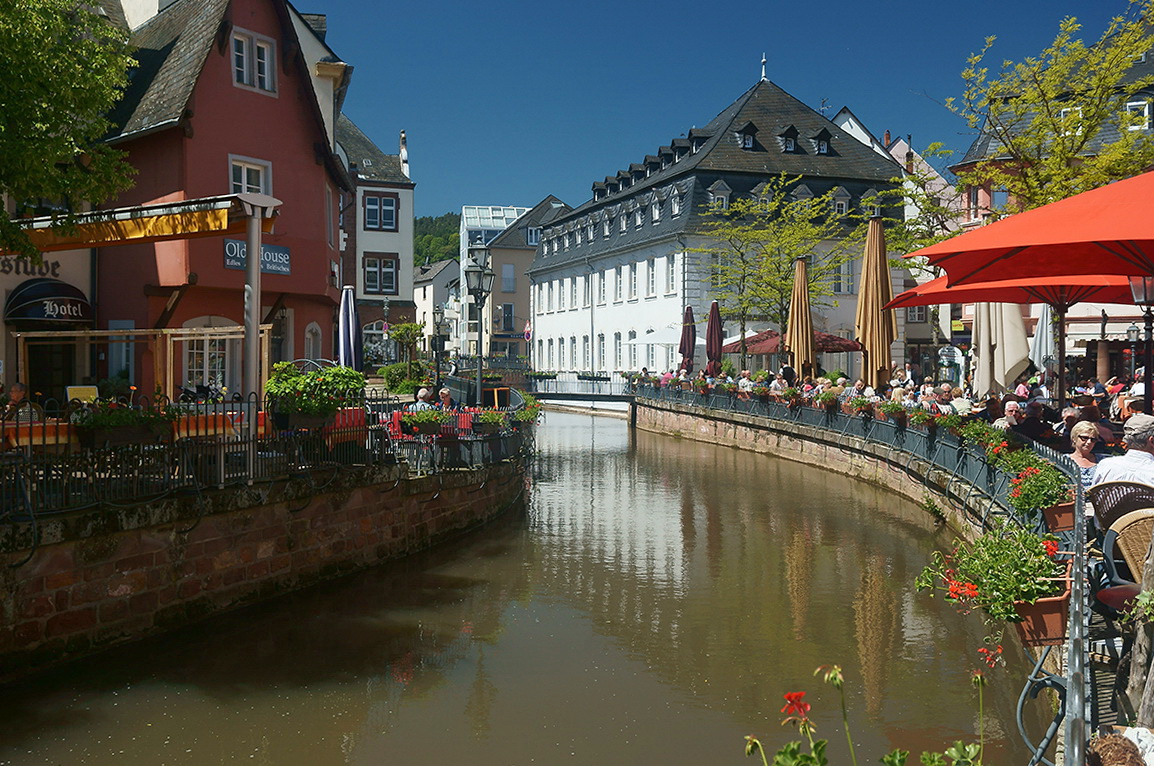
(274, 259)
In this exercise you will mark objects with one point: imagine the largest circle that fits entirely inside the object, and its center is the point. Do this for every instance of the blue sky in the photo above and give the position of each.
(507, 102)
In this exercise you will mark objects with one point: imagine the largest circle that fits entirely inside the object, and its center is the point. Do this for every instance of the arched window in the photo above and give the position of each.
(378, 349)
(312, 349)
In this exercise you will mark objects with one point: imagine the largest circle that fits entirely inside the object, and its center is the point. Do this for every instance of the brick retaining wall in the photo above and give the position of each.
(92, 579)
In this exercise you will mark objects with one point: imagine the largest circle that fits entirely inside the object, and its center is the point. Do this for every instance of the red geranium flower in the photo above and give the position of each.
(794, 705)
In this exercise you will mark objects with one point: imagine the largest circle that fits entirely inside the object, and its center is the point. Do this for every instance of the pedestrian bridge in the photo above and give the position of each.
(574, 386)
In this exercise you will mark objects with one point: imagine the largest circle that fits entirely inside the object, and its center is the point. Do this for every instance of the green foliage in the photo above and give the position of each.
(436, 238)
(65, 67)
(1004, 565)
(115, 387)
(1047, 115)
(489, 416)
(110, 414)
(890, 407)
(530, 412)
(826, 398)
(756, 241)
(316, 392)
(397, 376)
(728, 368)
(431, 415)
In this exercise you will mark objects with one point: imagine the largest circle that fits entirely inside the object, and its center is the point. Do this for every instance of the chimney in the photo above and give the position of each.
(886, 140)
(405, 155)
(909, 154)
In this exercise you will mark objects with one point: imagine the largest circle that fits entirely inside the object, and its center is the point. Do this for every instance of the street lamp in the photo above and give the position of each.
(1142, 290)
(1132, 336)
(438, 340)
(479, 283)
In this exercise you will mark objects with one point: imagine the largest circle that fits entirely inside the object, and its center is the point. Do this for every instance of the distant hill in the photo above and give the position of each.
(436, 239)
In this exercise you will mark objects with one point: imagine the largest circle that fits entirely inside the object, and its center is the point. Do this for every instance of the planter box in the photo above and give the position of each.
(486, 428)
(1044, 622)
(1060, 517)
(295, 421)
(428, 429)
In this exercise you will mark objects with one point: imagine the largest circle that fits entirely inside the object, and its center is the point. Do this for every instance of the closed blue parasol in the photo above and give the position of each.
(350, 347)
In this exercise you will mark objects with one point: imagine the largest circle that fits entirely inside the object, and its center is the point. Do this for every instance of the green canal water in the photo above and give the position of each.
(651, 604)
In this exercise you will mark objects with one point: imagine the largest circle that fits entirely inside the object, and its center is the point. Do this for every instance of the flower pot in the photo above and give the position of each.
(296, 421)
(1060, 516)
(116, 436)
(1044, 621)
(485, 428)
(426, 429)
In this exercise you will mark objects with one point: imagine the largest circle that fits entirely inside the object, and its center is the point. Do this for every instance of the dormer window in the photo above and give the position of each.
(719, 194)
(532, 235)
(789, 144)
(746, 134)
(675, 205)
(655, 211)
(822, 146)
(821, 142)
(1139, 112)
(605, 227)
(638, 218)
(840, 201)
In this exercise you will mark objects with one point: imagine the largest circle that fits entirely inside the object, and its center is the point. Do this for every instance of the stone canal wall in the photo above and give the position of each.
(842, 453)
(75, 584)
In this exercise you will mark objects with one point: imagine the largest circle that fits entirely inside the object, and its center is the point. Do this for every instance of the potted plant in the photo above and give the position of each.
(827, 399)
(111, 423)
(541, 375)
(701, 386)
(300, 399)
(761, 391)
(1039, 486)
(894, 411)
(427, 422)
(923, 417)
(1009, 573)
(792, 396)
(526, 416)
(488, 421)
(861, 405)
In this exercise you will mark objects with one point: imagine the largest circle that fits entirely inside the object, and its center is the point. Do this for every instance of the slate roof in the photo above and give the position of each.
(767, 112)
(430, 272)
(114, 12)
(381, 167)
(515, 236)
(172, 47)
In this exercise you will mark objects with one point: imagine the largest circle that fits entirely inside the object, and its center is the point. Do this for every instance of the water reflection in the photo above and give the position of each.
(651, 604)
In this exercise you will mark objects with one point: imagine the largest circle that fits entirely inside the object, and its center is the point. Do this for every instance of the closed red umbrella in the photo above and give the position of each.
(713, 339)
(688, 340)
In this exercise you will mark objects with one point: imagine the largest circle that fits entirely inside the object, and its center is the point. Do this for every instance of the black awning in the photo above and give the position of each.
(50, 301)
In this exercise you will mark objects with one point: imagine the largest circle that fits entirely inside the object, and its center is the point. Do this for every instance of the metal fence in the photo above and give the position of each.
(578, 383)
(50, 464)
(972, 475)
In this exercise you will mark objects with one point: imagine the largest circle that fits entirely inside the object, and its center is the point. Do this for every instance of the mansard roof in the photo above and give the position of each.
(380, 167)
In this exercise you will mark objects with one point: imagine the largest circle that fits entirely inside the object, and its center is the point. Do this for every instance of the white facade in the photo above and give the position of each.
(479, 225)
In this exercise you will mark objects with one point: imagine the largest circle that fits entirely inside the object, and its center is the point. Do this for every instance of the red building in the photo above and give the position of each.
(229, 97)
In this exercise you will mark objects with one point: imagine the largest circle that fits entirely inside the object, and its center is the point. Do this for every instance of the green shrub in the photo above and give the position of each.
(396, 375)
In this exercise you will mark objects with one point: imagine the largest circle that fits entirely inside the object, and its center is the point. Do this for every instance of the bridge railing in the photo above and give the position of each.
(577, 383)
(969, 471)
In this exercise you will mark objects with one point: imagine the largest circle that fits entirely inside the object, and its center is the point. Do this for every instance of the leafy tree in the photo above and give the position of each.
(1057, 123)
(64, 68)
(407, 335)
(755, 241)
(436, 239)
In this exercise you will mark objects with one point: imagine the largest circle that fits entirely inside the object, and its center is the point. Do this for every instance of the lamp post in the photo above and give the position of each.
(1132, 336)
(479, 283)
(1142, 290)
(438, 341)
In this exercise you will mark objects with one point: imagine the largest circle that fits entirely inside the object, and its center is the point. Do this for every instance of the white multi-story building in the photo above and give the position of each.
(480, 225)
(612, 278)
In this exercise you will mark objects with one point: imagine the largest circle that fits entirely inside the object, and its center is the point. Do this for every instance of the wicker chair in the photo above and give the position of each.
(1128, 537)
(1114, 499)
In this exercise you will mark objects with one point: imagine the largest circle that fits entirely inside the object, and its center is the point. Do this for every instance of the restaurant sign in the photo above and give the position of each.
(274, 259)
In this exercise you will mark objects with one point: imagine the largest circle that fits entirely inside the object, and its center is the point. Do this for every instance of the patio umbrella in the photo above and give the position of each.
(875, 327)
(799, 327)
(1000, 350)
(713, 333)
(1059, 293)
(688, 340)
(1042, 344)
(1107, 230)
(350, 351)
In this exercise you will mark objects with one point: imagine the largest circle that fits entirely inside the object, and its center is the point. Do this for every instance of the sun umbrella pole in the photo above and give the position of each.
(1061, 356)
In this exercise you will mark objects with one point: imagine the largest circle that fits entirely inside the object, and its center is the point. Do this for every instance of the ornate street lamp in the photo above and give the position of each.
(1132, 333)
(438, 340)
(479, 283)
(1142, 290)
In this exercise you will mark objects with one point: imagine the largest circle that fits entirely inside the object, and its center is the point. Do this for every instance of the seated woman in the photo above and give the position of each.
(1085, 435)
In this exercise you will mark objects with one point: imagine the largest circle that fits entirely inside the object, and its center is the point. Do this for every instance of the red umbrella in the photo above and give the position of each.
(1108, 230)
(713, 337)
(688, 340)
(769, 342)
(1059, 292)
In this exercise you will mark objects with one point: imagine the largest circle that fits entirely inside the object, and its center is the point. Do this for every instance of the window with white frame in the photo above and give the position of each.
(655, 211)
(589, 231)
(253, 61)
(561, 295)
(618, 284)
(206, 361)
(561, 354)
(599, 362)
(651, 356)
(1139, 115)
(972, 202)
(588, 291)
(551, 367)
(841, 280)
(605, 225)
(632, 281)
(573, 349)
(632, 350)
(508, 278)
(249, 176)
(380, 272)
(1068, 119)
(617, 358)
(585, 353)
(549, 300)
(532, 235)
(916, 314)
(577, 237)
(381, 212)
(565, 242)
(651, 277)
(573, 293)
(638, 217)
(670, 270)
(840, 207)
(675, 205)
(822, 146)
(602, 278)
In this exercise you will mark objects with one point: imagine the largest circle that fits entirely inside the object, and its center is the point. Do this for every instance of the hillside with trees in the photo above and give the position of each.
(436, 239)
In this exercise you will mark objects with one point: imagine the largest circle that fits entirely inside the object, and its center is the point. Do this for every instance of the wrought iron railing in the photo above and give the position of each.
(51, 464)
(970, 472)
(576, 383)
